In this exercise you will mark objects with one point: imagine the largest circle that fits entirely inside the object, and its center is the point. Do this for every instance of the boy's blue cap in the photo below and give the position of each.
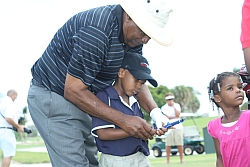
(138, 66)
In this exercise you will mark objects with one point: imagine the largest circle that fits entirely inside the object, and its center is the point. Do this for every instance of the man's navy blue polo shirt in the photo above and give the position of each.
(89, 46)
(125, 146)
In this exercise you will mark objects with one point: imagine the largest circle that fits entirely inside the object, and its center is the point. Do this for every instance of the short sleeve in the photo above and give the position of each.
(211, 128)
(163, 110)
(98, 123)
(10, 112)
(177, 106)
(7, 105)
(90, 48)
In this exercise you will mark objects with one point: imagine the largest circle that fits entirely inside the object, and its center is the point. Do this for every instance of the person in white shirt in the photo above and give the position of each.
(172, 111)
(8, 120)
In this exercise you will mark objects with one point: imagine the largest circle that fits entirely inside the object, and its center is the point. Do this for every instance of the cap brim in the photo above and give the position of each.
(143, 76)
(162, 36)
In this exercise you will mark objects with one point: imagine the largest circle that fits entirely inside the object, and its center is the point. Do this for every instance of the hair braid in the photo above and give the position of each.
(216, 83)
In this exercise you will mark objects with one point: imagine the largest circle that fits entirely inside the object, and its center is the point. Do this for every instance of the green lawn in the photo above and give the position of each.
(203, 160)
(31, 157)
(200, 122)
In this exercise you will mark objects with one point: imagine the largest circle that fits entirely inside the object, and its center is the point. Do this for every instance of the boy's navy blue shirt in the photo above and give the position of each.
(122, 147)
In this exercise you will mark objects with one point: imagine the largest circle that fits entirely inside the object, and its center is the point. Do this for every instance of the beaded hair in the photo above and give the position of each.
(215, 86)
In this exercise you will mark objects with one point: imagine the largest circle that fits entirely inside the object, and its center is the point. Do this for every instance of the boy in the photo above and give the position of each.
(119, 148)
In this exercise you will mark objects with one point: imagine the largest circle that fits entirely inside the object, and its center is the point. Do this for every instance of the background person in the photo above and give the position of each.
(83, 58)
(230, 132)
(245, 33)
(8, 119)
(22, 121)
(119, 148)
(172, 111)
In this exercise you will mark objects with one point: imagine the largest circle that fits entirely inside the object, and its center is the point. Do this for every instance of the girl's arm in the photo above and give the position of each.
(219, 162)
(111, 134)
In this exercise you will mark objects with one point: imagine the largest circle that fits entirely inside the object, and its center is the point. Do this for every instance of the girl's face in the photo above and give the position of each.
(130, 84)
(231, 92)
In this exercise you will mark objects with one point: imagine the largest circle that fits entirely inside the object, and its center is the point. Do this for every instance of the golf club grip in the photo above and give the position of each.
(169, 125)
(27, 130)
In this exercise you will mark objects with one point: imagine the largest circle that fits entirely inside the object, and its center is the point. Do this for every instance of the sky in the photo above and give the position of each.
(206, 41)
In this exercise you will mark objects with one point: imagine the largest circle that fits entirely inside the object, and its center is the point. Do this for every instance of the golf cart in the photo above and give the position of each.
(192, 140)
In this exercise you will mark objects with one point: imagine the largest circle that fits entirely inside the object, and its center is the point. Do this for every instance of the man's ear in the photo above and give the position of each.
(217, 98)
(121, 72)
(127, 17)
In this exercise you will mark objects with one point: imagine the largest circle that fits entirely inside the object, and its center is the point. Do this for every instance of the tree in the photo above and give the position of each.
(158, 94)
(194, 104)
(244, 106)
(185, 96)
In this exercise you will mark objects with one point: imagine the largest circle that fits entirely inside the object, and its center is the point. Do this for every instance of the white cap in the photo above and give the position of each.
(169, 97)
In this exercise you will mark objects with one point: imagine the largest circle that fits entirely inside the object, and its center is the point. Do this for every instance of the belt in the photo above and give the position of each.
(35, 82)
(6, 128)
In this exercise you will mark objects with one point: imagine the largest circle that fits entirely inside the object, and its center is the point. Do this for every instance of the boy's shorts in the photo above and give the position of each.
(136, 160)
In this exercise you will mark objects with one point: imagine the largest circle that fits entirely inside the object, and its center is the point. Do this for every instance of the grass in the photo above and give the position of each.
(31, 157)
(204, 160)
(26, 157)
(201, 122)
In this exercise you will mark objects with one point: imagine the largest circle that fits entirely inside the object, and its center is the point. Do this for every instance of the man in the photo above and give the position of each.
(83, 58)
(172, 111)
(245, 33)
(7, 121)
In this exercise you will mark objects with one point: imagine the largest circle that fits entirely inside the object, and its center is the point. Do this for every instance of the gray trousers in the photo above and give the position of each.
(64, 128)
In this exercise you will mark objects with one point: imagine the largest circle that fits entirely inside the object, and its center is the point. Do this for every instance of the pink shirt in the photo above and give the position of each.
(234, 140)
(245, 25)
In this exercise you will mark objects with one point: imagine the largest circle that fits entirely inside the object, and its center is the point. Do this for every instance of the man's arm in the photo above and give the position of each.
(77, 92)
(246, 52)
(20, 128)
(145, 99)
(147, 102)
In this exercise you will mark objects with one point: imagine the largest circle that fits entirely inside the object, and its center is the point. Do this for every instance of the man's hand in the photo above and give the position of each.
(137, 127)
(20, 128)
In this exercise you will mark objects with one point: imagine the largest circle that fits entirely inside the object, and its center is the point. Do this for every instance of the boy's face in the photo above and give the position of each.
(130, 84)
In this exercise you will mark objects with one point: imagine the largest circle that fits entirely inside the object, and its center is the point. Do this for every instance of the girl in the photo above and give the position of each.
(231, 132)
